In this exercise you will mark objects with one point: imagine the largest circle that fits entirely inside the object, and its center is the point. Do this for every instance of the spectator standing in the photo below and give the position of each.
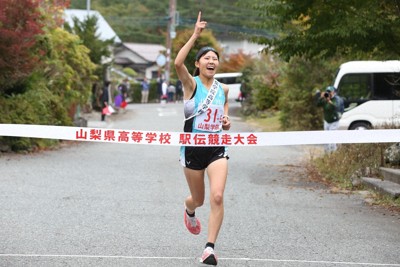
(145, 91)
(171, 90)
(159, 87)
(332, 106)
(122, 94)
(164, 91)
(179, 90)
(123, 88)
(104, 99)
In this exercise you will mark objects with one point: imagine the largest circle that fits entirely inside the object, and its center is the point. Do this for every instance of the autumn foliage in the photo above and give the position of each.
(45, 72)
(20, 24)
(235, 62)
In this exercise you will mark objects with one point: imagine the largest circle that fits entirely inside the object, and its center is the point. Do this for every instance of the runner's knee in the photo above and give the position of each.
(198, 202)
(217, 199)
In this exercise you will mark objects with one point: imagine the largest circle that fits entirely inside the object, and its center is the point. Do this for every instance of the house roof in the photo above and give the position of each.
(104, 30)
(149, 52)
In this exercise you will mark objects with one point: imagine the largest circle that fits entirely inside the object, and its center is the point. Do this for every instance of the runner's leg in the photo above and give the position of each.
(195, 180)
(217, 172)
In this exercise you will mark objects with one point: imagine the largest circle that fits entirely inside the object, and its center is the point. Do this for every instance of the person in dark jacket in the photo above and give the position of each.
(104, 99)
(332, 106)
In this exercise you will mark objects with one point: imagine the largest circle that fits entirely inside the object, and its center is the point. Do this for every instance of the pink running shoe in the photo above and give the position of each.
(208, 256)
(192, 224)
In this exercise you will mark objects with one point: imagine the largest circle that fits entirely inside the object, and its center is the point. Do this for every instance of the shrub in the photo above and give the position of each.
(36, 106)
(261, 82)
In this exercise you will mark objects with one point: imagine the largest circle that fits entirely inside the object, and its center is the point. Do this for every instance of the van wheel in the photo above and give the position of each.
(360, 126)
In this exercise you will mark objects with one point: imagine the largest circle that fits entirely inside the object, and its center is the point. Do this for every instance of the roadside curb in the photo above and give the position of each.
(389, 185)
(382, 186)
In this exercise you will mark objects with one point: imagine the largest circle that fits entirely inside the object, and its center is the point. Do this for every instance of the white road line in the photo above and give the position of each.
(166, 112)
(191, 258)
(314, 262)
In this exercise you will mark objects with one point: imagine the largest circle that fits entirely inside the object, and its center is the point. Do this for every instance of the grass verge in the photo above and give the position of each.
(269, 122)
(344, 168)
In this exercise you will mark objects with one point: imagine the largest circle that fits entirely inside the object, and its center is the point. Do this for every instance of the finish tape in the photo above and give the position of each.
(199, 139)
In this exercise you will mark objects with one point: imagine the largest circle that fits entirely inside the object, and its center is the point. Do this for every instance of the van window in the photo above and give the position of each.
(394, 80)
(354, 87)
(386, 86)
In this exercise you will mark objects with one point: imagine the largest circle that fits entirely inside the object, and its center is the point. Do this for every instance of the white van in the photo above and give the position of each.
(371, 94)
(233, 80)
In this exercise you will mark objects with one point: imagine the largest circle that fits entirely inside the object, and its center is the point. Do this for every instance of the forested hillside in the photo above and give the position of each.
(146, 21)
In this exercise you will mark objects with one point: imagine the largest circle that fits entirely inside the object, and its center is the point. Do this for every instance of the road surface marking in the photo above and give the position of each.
(191, 258)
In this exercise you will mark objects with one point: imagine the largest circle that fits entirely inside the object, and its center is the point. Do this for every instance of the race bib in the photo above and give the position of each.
(211, 120)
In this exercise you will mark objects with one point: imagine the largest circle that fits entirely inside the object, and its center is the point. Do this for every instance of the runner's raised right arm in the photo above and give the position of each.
(183, 73)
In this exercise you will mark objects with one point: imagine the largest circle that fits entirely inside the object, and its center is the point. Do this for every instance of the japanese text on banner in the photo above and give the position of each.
(166, 138)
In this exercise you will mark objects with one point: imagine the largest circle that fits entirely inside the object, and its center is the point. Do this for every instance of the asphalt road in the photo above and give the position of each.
(98, 204)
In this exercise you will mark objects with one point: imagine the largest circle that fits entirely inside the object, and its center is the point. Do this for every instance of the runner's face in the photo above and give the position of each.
(208, 64)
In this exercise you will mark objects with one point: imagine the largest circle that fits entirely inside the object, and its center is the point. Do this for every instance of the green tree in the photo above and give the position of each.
(261, 84)
(135, 20)
(87, 31)
(69, 67)
(145, 21)
(326, 28)
(302, 77)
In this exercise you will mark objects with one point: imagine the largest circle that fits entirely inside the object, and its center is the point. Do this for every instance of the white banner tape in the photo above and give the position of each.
(199, 139)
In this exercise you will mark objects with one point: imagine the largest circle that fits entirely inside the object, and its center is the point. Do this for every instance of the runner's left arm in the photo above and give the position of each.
(226, 123)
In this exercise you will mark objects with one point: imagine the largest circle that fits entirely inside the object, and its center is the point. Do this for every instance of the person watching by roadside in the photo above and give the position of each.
(332, 106)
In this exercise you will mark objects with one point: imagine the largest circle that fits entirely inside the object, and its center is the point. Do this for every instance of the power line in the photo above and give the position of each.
(223, 28)
(154, 22)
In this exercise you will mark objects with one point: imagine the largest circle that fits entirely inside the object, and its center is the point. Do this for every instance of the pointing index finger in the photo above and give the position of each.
(199, 17)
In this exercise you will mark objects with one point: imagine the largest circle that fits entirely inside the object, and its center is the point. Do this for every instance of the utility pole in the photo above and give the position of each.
(88, 7)
(170, 35)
